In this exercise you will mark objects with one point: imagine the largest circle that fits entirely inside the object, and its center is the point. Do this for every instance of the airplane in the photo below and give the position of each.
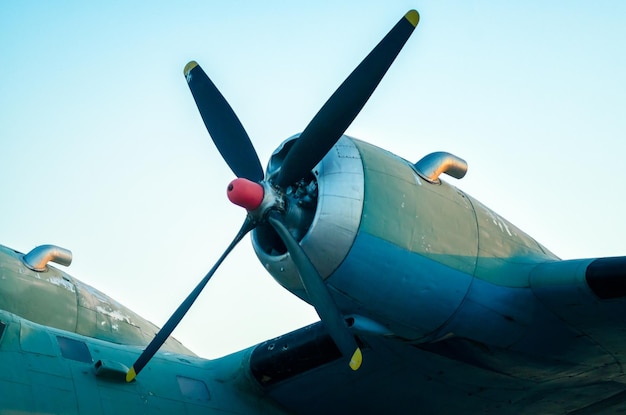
(429, 302)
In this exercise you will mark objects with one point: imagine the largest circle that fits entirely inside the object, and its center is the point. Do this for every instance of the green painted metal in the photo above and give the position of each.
(57, 300)
(562, 339)
(36, 377)
(506, 254)
(440, 222)
(436, 221)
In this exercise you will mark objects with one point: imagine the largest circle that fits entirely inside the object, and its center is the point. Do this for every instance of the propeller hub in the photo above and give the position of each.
(246, 193)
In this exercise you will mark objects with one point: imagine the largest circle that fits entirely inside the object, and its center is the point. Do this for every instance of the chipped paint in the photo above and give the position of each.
(500, 223)
(114, 314)
(62, 282)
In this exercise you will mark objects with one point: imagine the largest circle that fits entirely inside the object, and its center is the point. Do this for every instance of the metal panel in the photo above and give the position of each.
(337, 215)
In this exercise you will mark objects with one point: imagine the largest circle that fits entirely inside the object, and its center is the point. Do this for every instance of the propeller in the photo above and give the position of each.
(319, 295)
(332, 120)
(224, 127)
(265, 202)
(182, 309)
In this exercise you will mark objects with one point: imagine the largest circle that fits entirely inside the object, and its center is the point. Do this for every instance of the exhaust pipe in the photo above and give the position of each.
(433, 164)
(38, 258)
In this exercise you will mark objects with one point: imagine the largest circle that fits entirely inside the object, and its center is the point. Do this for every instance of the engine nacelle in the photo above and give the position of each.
(394, 249)
(353, 243)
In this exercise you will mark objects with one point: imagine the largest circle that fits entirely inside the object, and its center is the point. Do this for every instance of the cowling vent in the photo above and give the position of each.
(432, 165)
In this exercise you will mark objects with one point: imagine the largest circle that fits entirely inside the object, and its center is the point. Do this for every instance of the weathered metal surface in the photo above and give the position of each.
(453, 376)
(506, 254)
(433, 220)
(336, 220)
(402, 250)
(56, 299)
(38, 376)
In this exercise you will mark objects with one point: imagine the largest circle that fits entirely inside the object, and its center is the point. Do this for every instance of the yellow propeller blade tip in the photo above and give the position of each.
(356, 359)
(189, 67)
(413, 17)
(131, 375)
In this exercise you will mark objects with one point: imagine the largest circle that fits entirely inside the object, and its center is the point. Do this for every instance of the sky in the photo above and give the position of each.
(103, 152)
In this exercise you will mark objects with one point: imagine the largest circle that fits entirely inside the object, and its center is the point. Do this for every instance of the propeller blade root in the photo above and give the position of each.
(225, 129)
(319, 295)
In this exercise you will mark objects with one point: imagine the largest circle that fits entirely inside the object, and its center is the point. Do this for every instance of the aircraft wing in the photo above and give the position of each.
(303, 372)
(570, 361)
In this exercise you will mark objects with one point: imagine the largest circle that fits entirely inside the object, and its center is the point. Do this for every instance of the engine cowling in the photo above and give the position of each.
(373, 229)
(323, 211)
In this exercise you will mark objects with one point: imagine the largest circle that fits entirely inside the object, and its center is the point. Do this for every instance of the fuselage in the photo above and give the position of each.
(54, 298)
(46, 370)
(65, 348)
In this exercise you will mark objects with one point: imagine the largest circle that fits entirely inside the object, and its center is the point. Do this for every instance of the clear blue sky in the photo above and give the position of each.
(103, 152)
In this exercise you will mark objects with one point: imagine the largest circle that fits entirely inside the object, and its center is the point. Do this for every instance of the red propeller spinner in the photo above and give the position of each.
(245, 193)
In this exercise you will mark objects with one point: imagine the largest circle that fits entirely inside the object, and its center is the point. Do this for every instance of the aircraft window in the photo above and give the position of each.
(74, 349)
(193, 389)
(35, 340)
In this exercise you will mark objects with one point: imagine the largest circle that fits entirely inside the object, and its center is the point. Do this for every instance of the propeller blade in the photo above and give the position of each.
(319, 295)
(343, 106)
(182, 309)
(225, 129)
